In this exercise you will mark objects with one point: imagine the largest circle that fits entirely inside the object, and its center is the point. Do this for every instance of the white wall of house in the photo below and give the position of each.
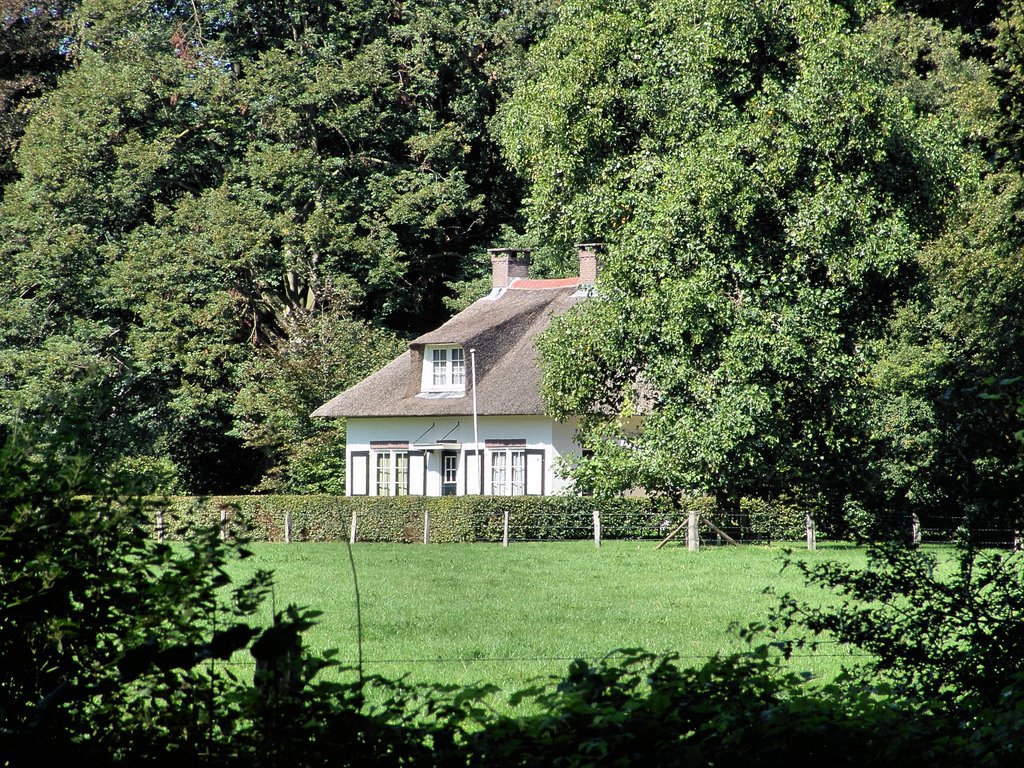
(434, 456)
(563, 435)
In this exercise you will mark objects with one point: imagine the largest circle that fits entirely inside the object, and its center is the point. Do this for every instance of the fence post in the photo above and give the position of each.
(352, 532)
(597, 529)
(693, 530)
(287, 527)
(504, 535)
(915, 529)
(426, 526)
(160, 525)
(812, 539)
(223, 525)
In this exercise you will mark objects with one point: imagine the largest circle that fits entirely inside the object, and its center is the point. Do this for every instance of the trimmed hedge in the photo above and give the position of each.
(773, 519)
(460, 518)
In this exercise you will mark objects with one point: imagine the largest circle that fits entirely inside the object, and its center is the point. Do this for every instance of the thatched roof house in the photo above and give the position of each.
(415, 427)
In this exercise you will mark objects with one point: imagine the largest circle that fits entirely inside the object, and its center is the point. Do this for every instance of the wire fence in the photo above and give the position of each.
(947, 529)
(542, 519)
(715, 530)
(406, 663)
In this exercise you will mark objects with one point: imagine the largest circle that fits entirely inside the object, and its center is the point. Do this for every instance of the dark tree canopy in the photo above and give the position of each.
(32, 55)
(204, 173)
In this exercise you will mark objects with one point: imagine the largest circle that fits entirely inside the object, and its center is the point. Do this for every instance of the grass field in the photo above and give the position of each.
(466, 613)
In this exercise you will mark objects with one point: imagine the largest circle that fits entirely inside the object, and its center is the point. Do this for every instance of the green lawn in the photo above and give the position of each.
(464, 613)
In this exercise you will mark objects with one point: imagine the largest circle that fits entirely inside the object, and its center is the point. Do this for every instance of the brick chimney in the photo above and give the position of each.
(507, 264)
(589, 262)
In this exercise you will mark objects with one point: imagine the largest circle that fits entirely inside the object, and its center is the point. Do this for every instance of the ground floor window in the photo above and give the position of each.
(383, 474)
(392, 473)
(508, 472)
(499, 468)
(402, 474)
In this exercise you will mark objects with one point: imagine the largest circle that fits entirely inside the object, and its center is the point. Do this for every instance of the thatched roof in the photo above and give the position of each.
(502, 328)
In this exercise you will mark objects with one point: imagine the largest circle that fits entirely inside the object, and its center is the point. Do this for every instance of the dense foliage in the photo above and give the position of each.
(101, 625)
(116, 647)
(938, 630)
(31, 58)
(206, 185)
(811, 265)
(325, 517)
(213, 217)
(451, 518)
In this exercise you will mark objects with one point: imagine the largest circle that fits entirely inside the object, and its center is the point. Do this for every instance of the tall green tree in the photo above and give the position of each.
(325, 351)
(764, 175)
(945, 428)
(944, 420)
(129, 133)
(370, 133)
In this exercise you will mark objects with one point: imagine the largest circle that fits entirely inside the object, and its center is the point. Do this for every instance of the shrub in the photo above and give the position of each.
(401, 518)
(773, 520)
(467, 518)
(635, 709)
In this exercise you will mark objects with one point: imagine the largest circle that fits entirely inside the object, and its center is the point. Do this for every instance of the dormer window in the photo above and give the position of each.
(444, 369)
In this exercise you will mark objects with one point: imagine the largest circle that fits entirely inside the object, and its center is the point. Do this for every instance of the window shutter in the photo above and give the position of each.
(417, 473)
(535, 473)
(472, 474)
(358, 474)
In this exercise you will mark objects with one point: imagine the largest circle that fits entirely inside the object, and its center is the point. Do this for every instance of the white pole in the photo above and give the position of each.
(476, 425)
(504, 535)
(597, 529)
(352, 530)
(426, 526)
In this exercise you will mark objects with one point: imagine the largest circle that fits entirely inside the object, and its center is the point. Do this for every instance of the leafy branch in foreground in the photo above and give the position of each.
(117, 647)
(636, 708)
(939, 630)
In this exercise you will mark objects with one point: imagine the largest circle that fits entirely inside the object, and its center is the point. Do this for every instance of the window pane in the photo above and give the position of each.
(498, 473)
(518, 473)
(383, 474)
(458, 367)
(402, 474)
(440, 359)
(451, 468)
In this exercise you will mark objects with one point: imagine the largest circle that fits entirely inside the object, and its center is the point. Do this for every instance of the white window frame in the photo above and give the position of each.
(400, 459)
(499, 473)
(517, 472)
(382, 473)
(439, 368)
(391, 473)
(449, 471)
(444, 368)
(508, 471)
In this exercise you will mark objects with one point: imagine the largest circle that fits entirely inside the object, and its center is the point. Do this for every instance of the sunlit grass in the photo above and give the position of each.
(465, 613)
